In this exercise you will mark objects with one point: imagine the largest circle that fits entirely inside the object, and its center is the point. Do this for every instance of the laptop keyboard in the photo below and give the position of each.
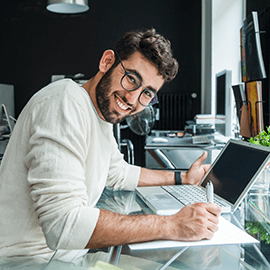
(201, 139)
(189, 194)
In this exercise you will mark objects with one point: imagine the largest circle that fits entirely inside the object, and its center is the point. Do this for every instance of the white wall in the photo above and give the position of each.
(221, 22)
(227, 19)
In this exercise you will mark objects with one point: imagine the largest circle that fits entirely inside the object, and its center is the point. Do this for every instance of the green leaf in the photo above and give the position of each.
(262, 138)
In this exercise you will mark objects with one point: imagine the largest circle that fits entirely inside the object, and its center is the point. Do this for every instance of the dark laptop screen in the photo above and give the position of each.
(234, 169)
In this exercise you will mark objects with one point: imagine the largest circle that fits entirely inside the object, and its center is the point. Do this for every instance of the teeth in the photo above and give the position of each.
(121, 105)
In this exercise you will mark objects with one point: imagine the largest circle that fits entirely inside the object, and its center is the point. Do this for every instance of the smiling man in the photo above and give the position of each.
(62, 154)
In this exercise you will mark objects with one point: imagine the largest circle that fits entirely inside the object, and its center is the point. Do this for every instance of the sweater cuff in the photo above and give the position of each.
(84, 228)
(133, 177)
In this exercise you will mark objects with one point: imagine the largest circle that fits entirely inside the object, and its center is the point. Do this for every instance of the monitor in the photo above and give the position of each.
(252, 62)
(224, 102)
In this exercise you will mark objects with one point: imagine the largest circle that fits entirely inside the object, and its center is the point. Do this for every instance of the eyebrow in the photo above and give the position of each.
(141, 78)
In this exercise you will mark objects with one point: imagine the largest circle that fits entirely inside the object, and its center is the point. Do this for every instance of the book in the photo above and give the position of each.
(255, 105)
(210, 119)
(245, 129)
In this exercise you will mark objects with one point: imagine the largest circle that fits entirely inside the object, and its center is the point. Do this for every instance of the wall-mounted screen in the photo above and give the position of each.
(252, 63)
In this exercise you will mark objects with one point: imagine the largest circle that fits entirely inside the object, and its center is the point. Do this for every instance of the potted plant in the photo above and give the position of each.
(257, 228)
(263, 138)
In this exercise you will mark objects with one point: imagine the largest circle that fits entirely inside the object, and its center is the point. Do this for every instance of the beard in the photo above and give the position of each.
(103, 97)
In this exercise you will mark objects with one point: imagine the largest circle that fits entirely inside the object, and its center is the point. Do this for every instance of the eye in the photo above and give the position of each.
(132, 79)
(148, 94)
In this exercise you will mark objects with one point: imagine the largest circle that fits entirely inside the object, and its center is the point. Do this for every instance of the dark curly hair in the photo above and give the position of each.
(153, 46)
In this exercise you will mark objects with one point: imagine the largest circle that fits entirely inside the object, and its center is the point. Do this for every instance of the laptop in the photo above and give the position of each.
(233, 173)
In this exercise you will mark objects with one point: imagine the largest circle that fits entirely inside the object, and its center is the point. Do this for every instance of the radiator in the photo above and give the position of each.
(174, 111)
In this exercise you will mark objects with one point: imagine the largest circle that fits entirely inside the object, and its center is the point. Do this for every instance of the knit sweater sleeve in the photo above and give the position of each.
(121, 174)
(56, 173)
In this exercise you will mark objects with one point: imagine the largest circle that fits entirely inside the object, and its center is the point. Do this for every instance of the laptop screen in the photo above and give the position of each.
(234, 168)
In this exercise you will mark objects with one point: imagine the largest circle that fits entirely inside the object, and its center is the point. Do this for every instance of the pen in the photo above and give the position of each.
(210, 192)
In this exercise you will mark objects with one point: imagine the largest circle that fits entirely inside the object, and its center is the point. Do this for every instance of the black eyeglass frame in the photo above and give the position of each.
(137, 87)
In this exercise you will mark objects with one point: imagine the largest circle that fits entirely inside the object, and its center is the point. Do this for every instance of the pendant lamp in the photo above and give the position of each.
(67, 6)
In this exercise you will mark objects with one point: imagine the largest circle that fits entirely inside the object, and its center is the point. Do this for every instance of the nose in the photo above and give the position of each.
(133, 96)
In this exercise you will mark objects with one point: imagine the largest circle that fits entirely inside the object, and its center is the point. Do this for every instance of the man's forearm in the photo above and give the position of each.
(156, 177)
(159, 177)
(192, 223)
(114, 229)
(162, 177)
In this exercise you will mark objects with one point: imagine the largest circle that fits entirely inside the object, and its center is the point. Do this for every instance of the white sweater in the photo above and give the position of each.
(59, 159)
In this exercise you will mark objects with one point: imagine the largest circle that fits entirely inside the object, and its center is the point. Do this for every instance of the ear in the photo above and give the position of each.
(106, 60)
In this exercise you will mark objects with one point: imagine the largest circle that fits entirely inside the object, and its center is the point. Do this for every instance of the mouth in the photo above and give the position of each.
(121, 104)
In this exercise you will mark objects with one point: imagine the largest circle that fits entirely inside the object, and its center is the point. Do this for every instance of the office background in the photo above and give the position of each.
(36, 44)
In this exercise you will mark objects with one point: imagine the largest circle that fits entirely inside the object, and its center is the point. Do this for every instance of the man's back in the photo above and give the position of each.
(56, 163)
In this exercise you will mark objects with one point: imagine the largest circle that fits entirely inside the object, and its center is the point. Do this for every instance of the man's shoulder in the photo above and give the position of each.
(61, 86)
(60, 89)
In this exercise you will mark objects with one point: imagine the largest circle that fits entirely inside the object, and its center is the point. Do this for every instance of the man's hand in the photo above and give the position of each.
(194, 222)
(196, 172)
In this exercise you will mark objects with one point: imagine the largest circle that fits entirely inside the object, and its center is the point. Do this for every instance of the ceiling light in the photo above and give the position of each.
(67, 6)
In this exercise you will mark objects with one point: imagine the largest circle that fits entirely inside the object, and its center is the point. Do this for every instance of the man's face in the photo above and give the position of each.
(113, 101)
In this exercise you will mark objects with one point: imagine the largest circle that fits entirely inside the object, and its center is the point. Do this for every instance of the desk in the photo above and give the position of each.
(178, 153)
(248, 256)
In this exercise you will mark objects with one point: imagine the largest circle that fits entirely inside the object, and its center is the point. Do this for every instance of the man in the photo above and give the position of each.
(62, 154)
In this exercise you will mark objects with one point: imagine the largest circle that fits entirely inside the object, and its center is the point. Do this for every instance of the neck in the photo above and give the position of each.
(90, 87)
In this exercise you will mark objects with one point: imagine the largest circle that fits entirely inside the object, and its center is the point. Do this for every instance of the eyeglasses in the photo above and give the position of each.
(131, 82)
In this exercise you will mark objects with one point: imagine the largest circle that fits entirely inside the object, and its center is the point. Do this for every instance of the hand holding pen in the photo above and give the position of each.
(210, 192)
(197, 221)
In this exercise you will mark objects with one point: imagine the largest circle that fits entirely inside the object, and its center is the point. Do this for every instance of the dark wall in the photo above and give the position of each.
(36, 44)
(255, 5)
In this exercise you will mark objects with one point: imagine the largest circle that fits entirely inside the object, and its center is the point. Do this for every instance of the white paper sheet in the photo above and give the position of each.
(226, 234)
